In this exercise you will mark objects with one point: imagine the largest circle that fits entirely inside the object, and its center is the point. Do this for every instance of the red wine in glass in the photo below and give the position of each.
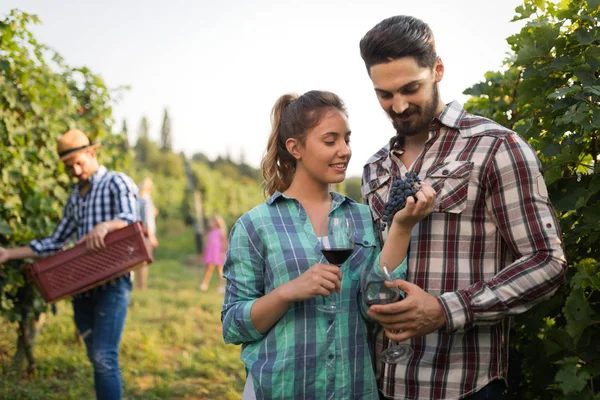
(337, 244)
(336, 256)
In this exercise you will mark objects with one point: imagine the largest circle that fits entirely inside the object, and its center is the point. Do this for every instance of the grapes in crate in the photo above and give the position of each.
(400, 191)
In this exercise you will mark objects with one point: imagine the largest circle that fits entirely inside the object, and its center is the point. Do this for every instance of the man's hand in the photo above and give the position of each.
(16, 253)
(417, 315)
(4, 256)
(94, 240)
(416, 209)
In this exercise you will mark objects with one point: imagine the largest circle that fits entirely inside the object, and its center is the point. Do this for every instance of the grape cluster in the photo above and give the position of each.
(400, 191)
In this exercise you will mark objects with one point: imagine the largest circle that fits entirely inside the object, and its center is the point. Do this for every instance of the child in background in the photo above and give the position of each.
(214, 253)
(147, 212)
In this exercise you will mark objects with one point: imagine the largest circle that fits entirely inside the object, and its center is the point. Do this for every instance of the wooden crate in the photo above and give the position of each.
(76, 270)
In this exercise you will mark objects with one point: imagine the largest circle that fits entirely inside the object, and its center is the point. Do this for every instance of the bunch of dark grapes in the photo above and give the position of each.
(401, 190)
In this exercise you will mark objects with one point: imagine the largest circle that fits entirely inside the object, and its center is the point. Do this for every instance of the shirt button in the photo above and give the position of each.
(445, 172)
(548, 225)
(331, 356)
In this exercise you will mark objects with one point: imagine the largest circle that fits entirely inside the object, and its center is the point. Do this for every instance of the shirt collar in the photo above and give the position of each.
(452, 115)
(337, 199)
(98, 175)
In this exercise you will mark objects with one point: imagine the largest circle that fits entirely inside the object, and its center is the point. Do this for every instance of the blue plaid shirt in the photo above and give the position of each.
(112, 196)
(307, 354)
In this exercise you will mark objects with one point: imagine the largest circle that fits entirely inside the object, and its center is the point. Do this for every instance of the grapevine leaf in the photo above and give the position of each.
(577, 313)
(5, 229)
(568, 378)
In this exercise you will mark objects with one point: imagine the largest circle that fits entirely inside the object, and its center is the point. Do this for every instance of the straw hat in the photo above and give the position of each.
(72, 142)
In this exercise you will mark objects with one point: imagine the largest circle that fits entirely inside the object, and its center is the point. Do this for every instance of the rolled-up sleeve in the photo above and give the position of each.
(244, 272)
(518, 202)
(62, 233)
(124, 196)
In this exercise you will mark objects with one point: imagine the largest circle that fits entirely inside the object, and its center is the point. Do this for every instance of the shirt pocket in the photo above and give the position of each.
(374, 192)
(451, 183)
(365, 251)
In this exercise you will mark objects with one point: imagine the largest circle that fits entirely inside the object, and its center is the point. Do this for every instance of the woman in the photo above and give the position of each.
(275, 273)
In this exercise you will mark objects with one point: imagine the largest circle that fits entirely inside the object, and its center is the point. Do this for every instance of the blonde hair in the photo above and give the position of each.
(146, 186)
(292, 117)
(221, 225)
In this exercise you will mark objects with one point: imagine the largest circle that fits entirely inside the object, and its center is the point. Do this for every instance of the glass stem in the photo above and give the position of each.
(336, 298)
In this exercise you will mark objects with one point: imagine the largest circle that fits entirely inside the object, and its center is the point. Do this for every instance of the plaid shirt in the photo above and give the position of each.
(307, 354)
(111, 196)
(491, 249)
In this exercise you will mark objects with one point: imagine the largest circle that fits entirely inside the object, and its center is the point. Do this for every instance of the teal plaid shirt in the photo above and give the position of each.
(307, 354)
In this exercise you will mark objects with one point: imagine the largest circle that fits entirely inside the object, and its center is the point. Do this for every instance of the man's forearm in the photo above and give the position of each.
(115, 224)
(19, 253)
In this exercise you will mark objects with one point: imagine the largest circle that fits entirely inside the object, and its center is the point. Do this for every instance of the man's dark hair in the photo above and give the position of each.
(398, 37)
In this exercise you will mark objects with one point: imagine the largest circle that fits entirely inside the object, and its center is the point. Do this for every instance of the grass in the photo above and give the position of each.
(172, 346)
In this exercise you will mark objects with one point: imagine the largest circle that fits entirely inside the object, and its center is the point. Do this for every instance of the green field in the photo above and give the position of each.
(172, 346)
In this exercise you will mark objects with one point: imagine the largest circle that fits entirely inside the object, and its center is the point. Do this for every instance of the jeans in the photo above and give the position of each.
(100, 318)
(492, 391)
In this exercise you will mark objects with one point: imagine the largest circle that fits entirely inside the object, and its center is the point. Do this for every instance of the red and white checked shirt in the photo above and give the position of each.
(492, 248)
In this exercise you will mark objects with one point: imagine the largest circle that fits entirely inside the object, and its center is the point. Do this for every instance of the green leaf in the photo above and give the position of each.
(587, 275)
(523, 12)
(577, 313)
(564, 91)
(596, 118)
(5, 229)
(585, 37)
(538, 44)
(593, 4)
(586, 78)
(12, 202)
(561, 62)
(558, 340)
(592, 57)
(592, 90)
(477, 89)
(528, 54)
(569, 379)
(551, 150)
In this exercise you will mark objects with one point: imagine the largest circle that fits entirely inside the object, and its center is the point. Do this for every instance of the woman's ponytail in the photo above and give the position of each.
(278, 165)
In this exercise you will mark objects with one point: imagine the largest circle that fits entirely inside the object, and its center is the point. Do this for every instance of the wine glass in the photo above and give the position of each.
(337, 244)
(374, 291)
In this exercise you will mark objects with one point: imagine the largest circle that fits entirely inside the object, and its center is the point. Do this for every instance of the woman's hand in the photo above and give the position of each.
(414, 211)
(319, 280)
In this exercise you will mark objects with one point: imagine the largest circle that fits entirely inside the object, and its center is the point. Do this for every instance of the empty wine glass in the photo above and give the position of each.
(337, 244)
(374, 291)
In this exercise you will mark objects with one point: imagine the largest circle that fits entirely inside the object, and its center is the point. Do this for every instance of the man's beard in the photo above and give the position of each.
(422, 121)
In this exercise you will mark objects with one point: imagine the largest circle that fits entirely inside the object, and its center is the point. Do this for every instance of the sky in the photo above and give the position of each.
(219, 66)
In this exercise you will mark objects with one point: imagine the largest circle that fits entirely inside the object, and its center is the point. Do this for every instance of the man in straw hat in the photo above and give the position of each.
(102, 201)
